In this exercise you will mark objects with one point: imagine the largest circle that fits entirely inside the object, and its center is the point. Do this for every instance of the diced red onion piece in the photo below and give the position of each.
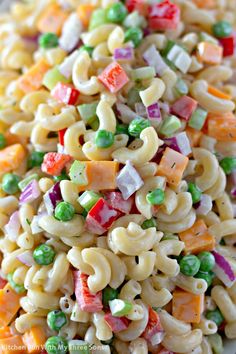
(154, 112)
(30, 193)
(140, 109)
(125, 113)
(180, 143)
(153, 58)
(12, 228)
(223, 270)
(205, 205)
(66, 66)
(52, 197)
(71, 32)
(128, 180)
(126, 53)
(26, 258)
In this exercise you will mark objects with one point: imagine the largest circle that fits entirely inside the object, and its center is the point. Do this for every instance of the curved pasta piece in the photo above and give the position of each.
(106, 116)
(143, 269)
(143, 154)
(185, 343)
(181, 225)
(100, 279)
(154, 297)
(40, 141)
(222, 229)
(210, 168)
(115, 39)
(71, 140)
(49, 120)
(172, 325)
(214, 74)
(153, 93)
(163, 262)
(80, 76)
(135, 328)
(57, 273)
(98, 35)
(207, 101)
(75, 258)
(32, 100)
(218, 187)
(184, 206)
(55, 227)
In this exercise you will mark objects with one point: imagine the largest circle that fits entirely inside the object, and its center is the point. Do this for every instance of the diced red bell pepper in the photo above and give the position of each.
(86, 300)
(164, 16)
(61, 134)
(113, 77)
(154, 331)
(137, 5)
(116, 324)
(116, 201)
(3, 282)
(184, 107)
(228, 45)
(53, 163)
(65, 93)
(101, 217)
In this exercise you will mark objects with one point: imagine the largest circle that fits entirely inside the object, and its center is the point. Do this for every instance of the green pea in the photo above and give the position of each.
(109, 294)
(48, 40)
(87, 48)
(122, 129)
(44, 254)
(189, 265)
(117, 13)
(156, 197)
(64, 211)
(19, 288)
(228, 164)
(135, 35)
(63, 176)
(56, 345)
(215, 315)
(56, 320)
(207, 261)
(222, 29)
(195, 192)
(137, 126)
(10, 183)
(3, 141)
(104, 139)
(149, 223)
(35, 159)
(207, 276)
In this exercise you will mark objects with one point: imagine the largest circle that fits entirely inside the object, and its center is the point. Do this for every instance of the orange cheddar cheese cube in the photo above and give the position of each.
(9, 305)
(34, 339)
(101, 175)
(11, 158)
(194, 136)
(197, 238)
(209, 53)
(172, 166)
(52, 19)
(186, 306)
(222, 128)
(5, 332)
(33, 78)
(84, 12)
(12, 345)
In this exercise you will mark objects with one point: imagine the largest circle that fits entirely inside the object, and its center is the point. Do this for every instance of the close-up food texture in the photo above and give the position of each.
(118, 177)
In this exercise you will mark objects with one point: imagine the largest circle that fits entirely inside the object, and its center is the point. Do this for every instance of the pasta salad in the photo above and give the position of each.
(117, 176)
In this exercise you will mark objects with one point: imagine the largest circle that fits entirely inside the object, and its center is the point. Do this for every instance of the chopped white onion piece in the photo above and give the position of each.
(153, 58)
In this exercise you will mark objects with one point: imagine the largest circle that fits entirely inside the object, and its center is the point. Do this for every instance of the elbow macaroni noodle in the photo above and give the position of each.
(115, 234)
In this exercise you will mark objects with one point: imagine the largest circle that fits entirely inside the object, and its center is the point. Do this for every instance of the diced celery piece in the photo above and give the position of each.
(52, 77)
(205, 37)
(133, 96)
(170, 125)
(22, 184)
(98, 18)
(198, 119)
(95, 124)
(120, 307)
(77, 346)
(88, 199)
(78, 173)
(181, 87)
(134, 20)
(216, 343)
(87, 112)
(169, 236)
(180, 58)
(144, 73)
